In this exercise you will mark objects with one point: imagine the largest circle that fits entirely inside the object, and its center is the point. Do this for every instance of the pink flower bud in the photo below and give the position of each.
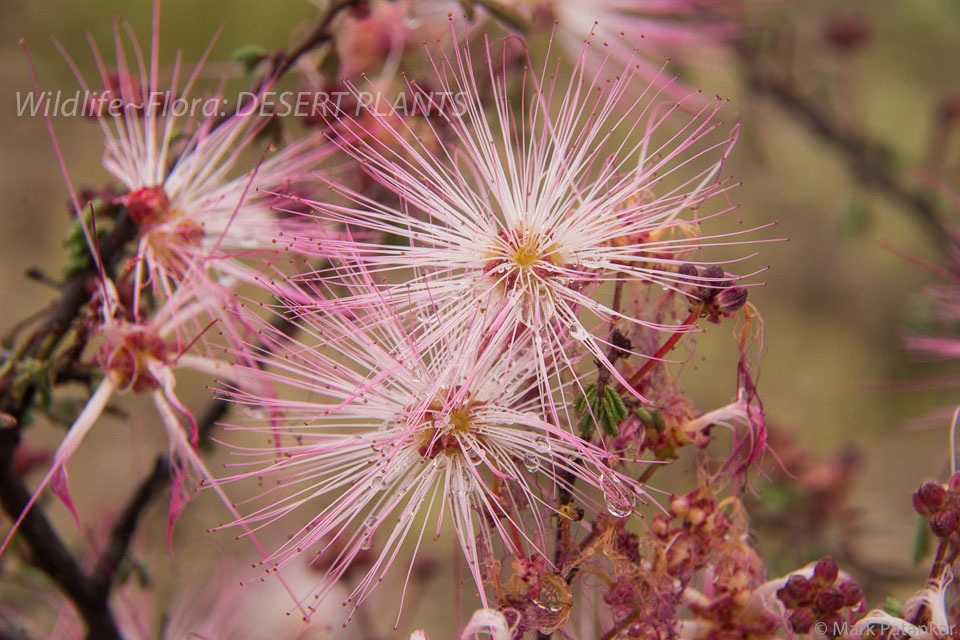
(929, 498)
(825, 572)
(852, 595)
(796, 592)
(943, 523)
(834, 625)
(954, 483)
(730, 299)
(829, 600)
(800, 621)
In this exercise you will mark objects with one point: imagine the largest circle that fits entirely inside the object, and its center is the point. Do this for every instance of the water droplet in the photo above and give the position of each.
(620, 501)
(474, 454)
(541, 444)
(376, 483)
(579, 334)
(553, 606)
(531, 463)
(365, 542)
(370, 522)
(402, 491)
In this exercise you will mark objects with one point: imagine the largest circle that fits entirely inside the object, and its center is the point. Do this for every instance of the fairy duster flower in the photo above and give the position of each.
(395, 438)
(517, 210)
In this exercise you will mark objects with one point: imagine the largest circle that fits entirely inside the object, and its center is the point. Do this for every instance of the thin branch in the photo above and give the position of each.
(48, 552)
(149, 489)
(870, 161)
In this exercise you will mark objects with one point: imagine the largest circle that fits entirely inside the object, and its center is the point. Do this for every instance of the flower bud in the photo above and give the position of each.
(660, 526)
(713, 282)
(852, 595)
(954, 483)
(834, 626)
(800, 621)
(829, 600)
(929, 498)
(680, 505)
(696, 516)
(730, 299)
(796, 592)
(825, 572)
(689, 276)
(943, 523)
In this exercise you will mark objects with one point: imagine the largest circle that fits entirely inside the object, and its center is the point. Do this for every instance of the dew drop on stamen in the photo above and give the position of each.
(377, 483)
(531, 463)
(370, 522)
(365, 542)
(474, 455)
(553, 606)
(620, 501)
(541, 444)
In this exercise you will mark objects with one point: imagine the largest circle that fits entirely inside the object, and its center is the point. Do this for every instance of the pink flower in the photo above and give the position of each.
(396, 437)
(517, 218)
(142, 356)
(178, 164)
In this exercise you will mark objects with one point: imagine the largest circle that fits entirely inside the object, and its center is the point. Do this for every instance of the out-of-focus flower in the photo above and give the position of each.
(655, 30)
(518, 218)
(489, 622)
(396, 438)
(203, 602)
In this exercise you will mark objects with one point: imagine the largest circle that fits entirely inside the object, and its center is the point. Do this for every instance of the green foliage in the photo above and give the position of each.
(606, 409)
(650, 417)
(893, 607)
(79, 257)
(250, 55)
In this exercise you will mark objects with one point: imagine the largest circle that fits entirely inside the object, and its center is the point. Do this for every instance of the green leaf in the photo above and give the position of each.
(608, 416)
(580, 404)
(658, 421)
(250, 55)
(893, 607)
(587, 426)
(650, 417)
(617, 409)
